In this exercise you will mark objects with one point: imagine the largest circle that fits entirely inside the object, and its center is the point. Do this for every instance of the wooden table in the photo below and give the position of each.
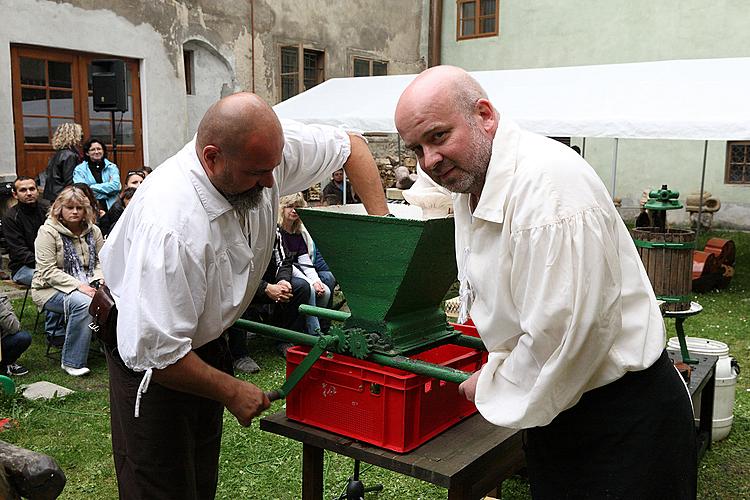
(701, 386)
(470, 459)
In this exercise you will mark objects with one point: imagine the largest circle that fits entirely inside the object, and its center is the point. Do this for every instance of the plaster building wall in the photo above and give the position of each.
(387, 30)
(152, 32)
(548, 33)
(236, 47)
(213, 78)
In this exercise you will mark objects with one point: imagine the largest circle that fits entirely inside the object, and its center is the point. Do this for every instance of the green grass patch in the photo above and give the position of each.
(259, 465)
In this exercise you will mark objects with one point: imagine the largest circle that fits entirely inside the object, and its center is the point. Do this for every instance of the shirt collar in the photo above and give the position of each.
(212, 200)
(500, 171)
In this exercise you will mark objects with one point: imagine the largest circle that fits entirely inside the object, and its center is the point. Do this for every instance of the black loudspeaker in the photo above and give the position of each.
(108, 85)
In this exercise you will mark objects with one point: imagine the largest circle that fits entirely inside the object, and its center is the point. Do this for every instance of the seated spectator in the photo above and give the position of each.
(13, 341)
(20, 225)
(134, 178)
(97, 207)
(99, 173)
(333, 192)
(107, 221)
(59, 173)
(303, 269)
(324, 272)
(67, 271)
(241, 360)
(277, 299)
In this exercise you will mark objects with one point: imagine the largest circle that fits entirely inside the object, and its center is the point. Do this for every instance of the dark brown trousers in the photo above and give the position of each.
(171, 451)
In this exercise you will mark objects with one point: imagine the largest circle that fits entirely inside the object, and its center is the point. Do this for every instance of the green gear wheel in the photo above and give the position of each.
(360, 343)
(343, 343)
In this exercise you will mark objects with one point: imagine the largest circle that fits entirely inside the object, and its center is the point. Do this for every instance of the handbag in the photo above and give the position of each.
(103, 312)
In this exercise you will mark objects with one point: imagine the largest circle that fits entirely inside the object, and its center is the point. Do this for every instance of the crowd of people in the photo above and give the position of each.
(53, 236)
(57, 227)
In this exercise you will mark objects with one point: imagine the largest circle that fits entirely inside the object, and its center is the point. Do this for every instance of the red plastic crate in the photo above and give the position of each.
(383, 406)
(467, 328)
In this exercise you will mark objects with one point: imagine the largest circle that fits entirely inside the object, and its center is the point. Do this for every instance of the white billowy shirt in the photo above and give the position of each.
(183, 265)
(556, 287)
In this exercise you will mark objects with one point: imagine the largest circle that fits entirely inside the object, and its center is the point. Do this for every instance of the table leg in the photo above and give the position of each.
(460, 492)
(312, 472)
(705, 425)
(683, 343)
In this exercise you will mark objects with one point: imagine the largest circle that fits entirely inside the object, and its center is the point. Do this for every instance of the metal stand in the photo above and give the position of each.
(114, 140)
(355, 489)
(680, 317)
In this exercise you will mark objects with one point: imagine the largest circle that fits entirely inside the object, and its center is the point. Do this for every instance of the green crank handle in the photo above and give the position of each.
(274, 395)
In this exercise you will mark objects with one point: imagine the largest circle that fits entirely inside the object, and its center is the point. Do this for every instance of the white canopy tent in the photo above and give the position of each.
(704, 99)
(699, 99)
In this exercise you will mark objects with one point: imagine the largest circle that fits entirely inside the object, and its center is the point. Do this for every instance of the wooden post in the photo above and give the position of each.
(32, 475)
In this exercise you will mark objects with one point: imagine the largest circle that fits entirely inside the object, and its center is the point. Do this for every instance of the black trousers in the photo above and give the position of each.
(171, 451)
(631, 439)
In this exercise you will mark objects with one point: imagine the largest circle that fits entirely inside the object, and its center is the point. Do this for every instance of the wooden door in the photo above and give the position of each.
(52, 86)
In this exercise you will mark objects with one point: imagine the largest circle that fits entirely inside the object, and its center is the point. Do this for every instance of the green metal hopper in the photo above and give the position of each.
(394, 272)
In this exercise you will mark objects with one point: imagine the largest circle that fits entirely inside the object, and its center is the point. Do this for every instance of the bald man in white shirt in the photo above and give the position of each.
(183, 264)
(560, 298)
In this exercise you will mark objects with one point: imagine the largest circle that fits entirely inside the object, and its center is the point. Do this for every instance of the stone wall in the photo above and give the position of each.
(390, 153)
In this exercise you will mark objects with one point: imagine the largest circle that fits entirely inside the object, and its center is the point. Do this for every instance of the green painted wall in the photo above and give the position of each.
(546, 33)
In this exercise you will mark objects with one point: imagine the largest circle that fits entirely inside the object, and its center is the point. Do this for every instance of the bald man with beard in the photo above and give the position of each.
(183, 264)
(560, 298)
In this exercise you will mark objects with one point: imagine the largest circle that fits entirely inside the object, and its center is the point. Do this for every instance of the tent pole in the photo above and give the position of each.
(583, 148)
(400, 158)
(614, 166)
(700, 199)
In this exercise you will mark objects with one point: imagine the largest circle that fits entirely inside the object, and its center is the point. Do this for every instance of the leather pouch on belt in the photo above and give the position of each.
(103, 311)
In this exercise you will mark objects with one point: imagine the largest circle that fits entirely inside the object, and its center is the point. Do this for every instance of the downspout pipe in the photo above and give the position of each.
(435, 33)
(252, 43)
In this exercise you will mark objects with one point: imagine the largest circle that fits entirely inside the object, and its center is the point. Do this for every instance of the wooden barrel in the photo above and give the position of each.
(667, 256)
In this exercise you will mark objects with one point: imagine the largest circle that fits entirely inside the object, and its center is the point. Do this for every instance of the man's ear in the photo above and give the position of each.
(486, 114)
(211, 156)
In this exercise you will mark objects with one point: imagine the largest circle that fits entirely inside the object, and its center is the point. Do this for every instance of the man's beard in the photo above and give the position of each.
(246, 200)
(475, 169)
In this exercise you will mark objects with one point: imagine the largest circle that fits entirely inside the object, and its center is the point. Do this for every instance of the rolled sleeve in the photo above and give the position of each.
(311, 153)
(565, 285)
(160, 298)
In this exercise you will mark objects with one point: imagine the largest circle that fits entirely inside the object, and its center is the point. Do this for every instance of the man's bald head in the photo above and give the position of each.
(450, 84)
(238, 121)
(444, 116)
(239, 144)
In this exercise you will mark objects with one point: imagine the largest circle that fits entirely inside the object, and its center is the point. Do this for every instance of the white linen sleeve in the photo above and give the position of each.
(565, 284)
(308, 268)
(161, 297)
(297, 273)
(311, 153)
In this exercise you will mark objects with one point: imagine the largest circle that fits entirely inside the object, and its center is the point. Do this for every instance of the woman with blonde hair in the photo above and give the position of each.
(292, 235)
(59, 173)
(68, 272)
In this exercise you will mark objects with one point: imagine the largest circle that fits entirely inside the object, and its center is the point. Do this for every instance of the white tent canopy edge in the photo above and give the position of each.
(700, 99)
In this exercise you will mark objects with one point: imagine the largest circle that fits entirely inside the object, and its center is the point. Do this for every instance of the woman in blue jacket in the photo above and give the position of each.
(99, 173)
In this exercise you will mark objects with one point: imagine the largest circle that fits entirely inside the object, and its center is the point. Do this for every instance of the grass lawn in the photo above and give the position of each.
(258, 465)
